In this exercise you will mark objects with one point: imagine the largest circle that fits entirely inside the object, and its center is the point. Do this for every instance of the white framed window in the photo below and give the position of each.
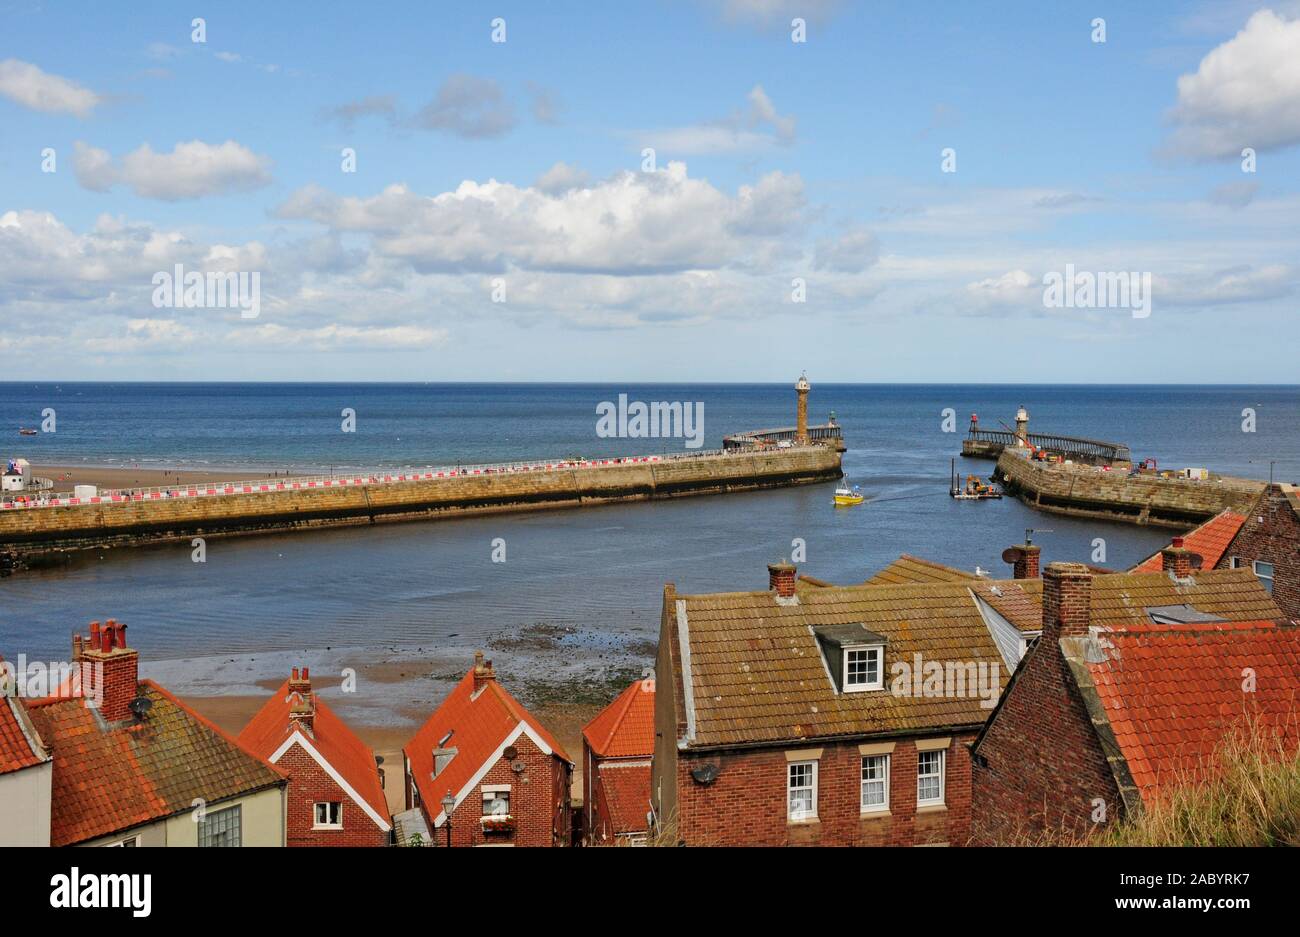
(329, 815)
(1234, 562)
(875, 783)
(222, 827)
(1264, 571)
(929, 777)
(801, 790)
(496, 801)
(129, 841)
(862, 670)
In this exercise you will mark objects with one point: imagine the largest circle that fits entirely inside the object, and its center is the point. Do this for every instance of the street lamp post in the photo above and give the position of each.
(448, 805)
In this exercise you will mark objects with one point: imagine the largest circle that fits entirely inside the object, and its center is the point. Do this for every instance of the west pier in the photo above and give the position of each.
(40, 530)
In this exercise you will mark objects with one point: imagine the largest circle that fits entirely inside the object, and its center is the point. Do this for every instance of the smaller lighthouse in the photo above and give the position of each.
(802, 387)
(1022, 427)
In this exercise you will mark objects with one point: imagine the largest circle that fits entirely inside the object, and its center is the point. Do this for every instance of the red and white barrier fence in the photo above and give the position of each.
(207, 489)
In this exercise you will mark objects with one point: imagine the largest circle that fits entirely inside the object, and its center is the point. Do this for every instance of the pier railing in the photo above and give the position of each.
(353, 479)
(825, 432)
(1096, 448)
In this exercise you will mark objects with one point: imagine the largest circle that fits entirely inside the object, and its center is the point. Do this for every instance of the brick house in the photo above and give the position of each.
(617, 747)
(1265, 540)
(1135, 679)
(1268, 544)
(508, 776)
(1210, 542)
(336, 790)
(833, 715)
(131, 770)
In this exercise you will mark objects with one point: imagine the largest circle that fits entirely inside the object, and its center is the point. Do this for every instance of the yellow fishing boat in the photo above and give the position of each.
(844, 495)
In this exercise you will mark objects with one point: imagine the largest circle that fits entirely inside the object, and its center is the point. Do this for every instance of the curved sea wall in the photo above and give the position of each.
(1085, 491)
(374, 500)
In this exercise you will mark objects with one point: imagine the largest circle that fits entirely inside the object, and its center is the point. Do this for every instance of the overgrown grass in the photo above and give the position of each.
(1249, 797)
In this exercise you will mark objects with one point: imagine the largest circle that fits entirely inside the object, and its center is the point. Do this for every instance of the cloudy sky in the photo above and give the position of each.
(503, 221)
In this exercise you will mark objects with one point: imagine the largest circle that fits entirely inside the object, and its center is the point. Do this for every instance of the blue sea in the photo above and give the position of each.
(596, 569)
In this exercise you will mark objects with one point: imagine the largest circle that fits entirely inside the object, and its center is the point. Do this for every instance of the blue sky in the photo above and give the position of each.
(514, 170)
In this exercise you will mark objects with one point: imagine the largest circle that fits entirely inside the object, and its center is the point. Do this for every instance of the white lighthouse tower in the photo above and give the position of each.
(1022, 427)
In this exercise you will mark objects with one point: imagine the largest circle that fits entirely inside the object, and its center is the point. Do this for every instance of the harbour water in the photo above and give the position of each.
(599, 571)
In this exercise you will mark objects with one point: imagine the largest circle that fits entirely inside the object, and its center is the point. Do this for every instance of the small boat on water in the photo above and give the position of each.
(974, 490)
(844, 495)
(24, 431)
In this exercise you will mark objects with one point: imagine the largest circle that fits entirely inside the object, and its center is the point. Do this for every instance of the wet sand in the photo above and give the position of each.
(564, 720)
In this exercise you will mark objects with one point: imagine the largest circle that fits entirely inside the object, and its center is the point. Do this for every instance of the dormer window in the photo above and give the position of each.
(854, 656)
(862, 668)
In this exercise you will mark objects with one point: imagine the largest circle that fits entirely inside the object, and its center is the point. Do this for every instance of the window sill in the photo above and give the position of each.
(806, 821)
(316, 827)
(874, 814)
(932, 808)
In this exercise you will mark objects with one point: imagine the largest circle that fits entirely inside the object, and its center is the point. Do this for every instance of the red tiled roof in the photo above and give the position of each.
(1171, 693)
(19, 746)
(479, 724)
(626, 727)
(1209, 540)
(111, 777)
(627, 794)
(331, 738)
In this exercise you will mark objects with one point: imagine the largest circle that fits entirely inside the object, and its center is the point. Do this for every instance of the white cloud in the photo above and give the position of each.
(1245, 93)
(376, 105)
(144, 335)
(272, 336)
(757, 126)
(633, 222)
(468, 106)
(852, 252)
(775, 12)
(1240, 284)
(230, 57)
(191, 170)
(561, 178)
(28, 85)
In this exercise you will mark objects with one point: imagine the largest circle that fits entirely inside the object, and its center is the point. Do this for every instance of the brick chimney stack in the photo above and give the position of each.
(1026, 565)
(302, 710)
(780, 579)
(106, 646)
(483, 672)
(1176, 559)
(1067, 600)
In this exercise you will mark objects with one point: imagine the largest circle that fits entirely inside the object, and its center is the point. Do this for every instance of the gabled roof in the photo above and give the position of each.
(1019, 601)
(1170, 693)
(1123, 599)
(751, 671)
(912, 569)
(111, 777)
(20, 745)
(626, 727)
(480, 726)
(1209, 540)
(626, 786)
(271, 732)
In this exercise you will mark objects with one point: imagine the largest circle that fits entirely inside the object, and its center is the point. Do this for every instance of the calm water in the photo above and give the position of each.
(600, 567)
